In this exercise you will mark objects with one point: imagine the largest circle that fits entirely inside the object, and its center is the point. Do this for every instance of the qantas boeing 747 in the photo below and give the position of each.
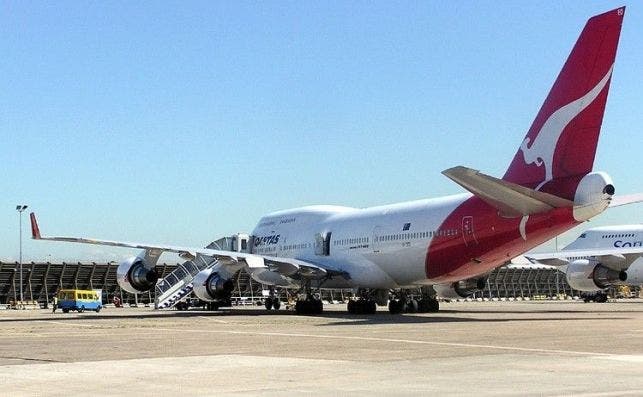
(548, 188)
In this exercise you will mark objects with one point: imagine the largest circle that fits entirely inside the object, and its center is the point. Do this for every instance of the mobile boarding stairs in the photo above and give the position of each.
(178, 284)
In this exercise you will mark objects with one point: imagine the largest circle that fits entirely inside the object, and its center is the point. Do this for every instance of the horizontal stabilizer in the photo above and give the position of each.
(626, 199)
(510, 199)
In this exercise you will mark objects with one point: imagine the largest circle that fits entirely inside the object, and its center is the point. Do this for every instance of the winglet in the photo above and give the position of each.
(35, 231)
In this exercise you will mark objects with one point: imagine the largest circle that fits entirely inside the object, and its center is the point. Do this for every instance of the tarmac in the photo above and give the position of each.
(549, 348)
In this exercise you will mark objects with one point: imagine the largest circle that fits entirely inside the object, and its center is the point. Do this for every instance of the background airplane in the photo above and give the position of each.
(548, 188)
(600, 257)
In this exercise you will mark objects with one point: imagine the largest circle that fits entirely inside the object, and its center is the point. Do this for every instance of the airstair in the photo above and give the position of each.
(178, 284)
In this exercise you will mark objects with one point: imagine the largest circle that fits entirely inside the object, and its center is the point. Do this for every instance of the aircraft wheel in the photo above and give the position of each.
(276, 303)
(434, 306)
(318, 306)
(396, 306)
(412, 306)
(268, 303)
(371, 307)
(351, 306)
(300, 307)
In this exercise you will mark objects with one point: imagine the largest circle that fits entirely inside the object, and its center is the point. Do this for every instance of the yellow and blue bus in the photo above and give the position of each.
(79, 300)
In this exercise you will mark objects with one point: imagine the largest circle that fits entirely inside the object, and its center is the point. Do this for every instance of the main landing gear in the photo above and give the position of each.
(367, 301)
(272, 301)
(403, 303)
(598, 297)
(362, 306)
(311, 304)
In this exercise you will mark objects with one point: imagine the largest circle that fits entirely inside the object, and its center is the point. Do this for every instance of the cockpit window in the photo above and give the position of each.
(583, 235)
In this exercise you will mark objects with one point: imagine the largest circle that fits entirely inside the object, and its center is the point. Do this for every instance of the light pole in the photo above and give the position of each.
(21, 208)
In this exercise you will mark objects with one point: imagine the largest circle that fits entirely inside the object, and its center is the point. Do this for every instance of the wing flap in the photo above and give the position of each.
(296, 268)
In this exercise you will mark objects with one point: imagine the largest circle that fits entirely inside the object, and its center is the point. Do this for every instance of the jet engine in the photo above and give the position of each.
(460, 289)
(210, 286)
(584, 275)
(133, 275)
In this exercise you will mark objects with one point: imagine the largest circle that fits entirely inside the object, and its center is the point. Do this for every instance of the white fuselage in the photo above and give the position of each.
(610, 237)
(380, 247)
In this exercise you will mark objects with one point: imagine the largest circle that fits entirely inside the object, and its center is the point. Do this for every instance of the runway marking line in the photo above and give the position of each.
(409, 341)
(71, 324)
(366, 338)
(214, 319)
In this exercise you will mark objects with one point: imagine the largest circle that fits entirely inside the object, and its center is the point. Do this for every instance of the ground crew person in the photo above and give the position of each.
(55, 303)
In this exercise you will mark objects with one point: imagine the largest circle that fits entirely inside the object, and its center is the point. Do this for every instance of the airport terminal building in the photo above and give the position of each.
(42, 280)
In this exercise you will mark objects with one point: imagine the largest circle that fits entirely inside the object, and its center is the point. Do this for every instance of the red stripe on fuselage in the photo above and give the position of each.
(489, 240)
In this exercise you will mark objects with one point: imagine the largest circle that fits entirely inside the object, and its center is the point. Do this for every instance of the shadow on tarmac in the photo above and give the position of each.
(381, 317)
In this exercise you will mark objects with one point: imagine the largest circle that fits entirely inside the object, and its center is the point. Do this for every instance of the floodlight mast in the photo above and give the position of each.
(20, 209)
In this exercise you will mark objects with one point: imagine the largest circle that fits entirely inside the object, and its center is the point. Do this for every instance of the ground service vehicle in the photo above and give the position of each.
(79, 300)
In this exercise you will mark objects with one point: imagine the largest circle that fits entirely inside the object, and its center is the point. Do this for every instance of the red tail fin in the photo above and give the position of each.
(559, 148)
(35, 231)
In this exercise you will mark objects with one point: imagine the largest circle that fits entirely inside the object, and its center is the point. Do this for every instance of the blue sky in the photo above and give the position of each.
(181, 122)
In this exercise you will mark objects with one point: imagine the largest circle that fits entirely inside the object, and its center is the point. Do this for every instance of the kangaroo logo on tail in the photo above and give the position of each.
(541, 150)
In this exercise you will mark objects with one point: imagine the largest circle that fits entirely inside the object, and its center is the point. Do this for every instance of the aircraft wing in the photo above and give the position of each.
(289, 267)
(614, 258)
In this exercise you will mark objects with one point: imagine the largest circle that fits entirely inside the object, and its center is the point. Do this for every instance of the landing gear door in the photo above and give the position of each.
(467, 232)
(322, 244)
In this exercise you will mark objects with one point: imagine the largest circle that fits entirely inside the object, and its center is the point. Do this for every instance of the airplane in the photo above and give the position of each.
(600, 258)
(454, 241)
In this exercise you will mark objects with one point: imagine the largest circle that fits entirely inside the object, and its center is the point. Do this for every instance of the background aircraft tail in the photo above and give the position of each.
(560, 146)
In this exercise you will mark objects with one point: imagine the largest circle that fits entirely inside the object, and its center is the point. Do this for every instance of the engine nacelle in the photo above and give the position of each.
(460, 289)
(209, 286)
(593, 195)
(584, 275)
(134, 276)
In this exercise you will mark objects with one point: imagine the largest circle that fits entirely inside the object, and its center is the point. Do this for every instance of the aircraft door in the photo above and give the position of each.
(322, 244)
(375, 243)
(467, 232)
